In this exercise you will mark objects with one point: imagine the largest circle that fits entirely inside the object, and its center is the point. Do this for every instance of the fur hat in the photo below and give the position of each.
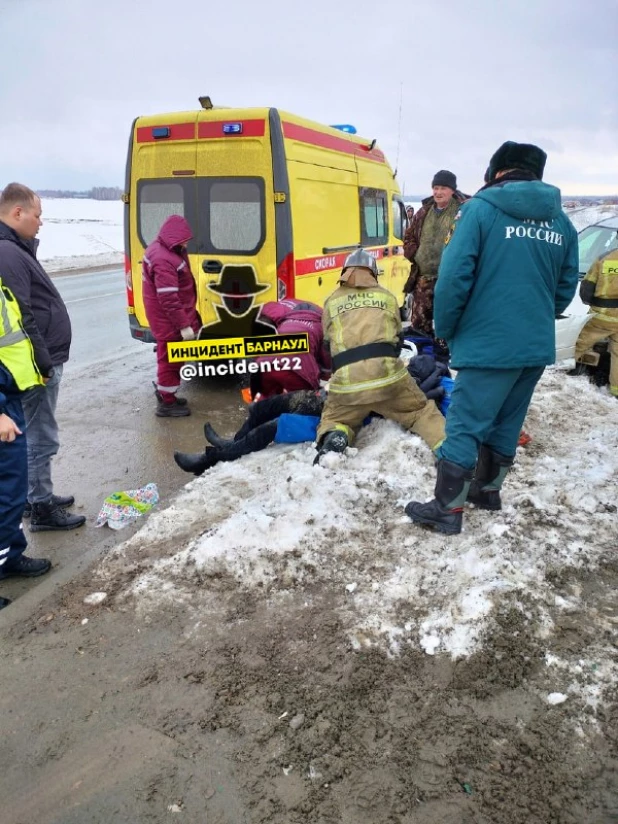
(444, 178)
(518, 156)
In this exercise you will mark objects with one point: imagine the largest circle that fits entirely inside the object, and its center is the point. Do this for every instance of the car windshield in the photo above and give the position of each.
(595, 241)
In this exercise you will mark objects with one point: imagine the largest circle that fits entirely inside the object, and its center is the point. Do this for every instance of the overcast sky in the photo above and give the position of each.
(474, 73)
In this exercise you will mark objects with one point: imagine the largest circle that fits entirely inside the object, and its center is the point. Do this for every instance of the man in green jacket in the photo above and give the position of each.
(423, 245)
(509, 268)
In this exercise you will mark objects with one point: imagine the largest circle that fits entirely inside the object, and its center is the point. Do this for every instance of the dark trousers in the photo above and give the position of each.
(488, 406)
(13, 485)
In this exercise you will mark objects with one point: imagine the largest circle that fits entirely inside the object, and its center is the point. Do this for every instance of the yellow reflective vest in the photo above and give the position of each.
(16, 352)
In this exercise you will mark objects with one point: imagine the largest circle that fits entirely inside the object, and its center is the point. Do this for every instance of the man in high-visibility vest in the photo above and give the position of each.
(46, 321)
(18, 372)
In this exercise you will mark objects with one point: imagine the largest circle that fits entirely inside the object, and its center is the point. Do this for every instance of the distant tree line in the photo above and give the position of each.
(96, 193)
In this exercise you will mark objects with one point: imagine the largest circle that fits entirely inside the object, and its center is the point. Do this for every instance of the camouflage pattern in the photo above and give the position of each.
(412, 238)
(421, 314)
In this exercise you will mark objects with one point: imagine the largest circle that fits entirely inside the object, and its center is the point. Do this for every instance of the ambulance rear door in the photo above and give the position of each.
(160, 178)
(236, 268)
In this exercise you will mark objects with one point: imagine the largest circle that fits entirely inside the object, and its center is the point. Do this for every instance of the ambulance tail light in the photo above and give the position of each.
(285, 277)
(129, 281)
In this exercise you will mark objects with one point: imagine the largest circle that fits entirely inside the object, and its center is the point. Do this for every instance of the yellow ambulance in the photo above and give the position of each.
(276, 203)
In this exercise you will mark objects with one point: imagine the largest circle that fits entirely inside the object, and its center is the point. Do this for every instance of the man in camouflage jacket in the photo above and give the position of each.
(423, 245)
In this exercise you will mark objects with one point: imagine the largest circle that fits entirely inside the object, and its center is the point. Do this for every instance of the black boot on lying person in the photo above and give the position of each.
(214, 438)
(198, 462)
(255, 440)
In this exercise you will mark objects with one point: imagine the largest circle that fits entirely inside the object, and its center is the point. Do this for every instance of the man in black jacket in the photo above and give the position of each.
(47, 323)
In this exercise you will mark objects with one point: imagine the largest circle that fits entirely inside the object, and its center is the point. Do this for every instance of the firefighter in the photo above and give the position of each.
(599, 290)
(18, 372)
(362, 325)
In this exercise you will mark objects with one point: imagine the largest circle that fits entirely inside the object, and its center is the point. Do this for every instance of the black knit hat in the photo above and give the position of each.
(444, 178)
(518, 156)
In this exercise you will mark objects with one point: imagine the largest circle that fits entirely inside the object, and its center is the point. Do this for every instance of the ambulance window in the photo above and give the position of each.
(157, 200)
(374, 216)
(234, 219)
(400, 219)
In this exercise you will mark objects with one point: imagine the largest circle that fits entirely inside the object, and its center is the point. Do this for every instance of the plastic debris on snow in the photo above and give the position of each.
(123, 508)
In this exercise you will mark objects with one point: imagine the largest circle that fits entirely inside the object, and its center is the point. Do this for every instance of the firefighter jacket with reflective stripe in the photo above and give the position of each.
(604, 274)
(354, 317)
(16, 352)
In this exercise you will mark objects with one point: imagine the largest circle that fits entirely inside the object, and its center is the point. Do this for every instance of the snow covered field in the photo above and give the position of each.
(80, 234)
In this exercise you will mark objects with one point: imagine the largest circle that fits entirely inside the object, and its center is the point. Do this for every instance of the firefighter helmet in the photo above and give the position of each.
(362, 259)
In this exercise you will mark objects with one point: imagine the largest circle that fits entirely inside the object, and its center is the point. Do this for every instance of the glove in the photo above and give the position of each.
(187, 333)
(430, 382)
(435, 394)
(421, 367)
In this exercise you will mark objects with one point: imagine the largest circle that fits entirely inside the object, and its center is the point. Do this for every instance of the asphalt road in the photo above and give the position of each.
(110, 438)
(97, 306)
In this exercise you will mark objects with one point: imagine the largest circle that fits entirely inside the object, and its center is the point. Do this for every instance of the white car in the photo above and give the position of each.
(594, 241)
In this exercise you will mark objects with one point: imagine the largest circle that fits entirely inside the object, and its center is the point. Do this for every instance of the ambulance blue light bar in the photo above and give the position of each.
(232, 128)
(161, 131)
(345, 127)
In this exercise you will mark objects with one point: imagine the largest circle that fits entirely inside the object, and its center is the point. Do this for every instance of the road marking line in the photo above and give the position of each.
(94, 297)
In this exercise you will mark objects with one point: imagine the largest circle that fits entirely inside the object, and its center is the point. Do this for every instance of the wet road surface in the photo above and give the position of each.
(110, 438)
(97, 305)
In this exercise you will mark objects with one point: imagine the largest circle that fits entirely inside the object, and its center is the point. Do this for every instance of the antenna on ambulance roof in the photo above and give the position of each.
(399, 130)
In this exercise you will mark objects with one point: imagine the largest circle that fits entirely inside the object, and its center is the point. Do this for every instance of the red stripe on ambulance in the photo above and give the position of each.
(177, 131)
(324, 263)
(293, 131)
(214, 128)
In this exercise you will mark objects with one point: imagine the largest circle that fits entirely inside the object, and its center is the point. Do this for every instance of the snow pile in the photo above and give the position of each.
(273, 523)
(80, 234)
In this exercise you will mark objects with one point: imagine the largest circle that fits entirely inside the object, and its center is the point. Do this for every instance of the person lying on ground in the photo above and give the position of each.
(289, 418)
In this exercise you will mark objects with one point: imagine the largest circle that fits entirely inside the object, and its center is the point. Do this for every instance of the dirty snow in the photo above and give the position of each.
(275, 522)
